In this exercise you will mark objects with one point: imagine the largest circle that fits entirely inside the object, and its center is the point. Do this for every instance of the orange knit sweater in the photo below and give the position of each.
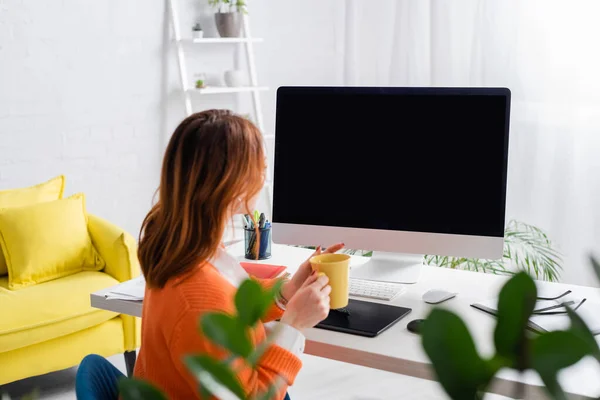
(170, 331)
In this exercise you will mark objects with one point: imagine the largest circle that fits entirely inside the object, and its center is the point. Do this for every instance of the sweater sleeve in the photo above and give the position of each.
(275, 362)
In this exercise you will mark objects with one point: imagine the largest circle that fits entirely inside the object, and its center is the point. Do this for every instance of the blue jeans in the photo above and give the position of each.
(97, 379)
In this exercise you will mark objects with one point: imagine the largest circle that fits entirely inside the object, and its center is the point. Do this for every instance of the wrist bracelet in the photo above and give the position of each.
(280, 300)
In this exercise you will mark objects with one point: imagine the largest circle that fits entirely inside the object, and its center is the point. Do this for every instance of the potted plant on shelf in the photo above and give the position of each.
(197, 32)
(200, 81)
(228, 17)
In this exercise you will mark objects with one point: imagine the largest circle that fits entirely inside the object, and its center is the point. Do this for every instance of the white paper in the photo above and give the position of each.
(111, 296)
(129, 290)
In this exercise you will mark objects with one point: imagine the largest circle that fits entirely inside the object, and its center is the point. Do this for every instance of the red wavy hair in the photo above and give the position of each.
(214, 164)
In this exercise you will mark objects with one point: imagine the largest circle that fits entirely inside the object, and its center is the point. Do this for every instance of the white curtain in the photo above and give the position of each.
(548, 53)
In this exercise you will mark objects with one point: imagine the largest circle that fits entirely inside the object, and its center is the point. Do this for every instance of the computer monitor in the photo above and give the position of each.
(395, 170)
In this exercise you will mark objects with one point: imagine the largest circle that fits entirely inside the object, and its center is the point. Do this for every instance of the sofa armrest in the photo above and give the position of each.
(116, 247)
(119, 250)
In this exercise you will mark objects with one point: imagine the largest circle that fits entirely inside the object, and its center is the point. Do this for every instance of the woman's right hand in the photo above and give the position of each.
(310, 304)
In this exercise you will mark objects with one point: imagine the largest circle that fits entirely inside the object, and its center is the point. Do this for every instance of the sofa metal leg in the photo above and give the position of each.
(130, 362)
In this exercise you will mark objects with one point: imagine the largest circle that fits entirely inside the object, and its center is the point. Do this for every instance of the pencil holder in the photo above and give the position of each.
(264, 247)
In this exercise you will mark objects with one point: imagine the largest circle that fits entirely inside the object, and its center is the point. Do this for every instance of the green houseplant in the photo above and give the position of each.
(197, 32)
(526, 248)
(228, 17)
(218, 377)
(464, 374)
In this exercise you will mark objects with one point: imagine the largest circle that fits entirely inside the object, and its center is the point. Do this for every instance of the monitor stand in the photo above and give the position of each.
(390, 267)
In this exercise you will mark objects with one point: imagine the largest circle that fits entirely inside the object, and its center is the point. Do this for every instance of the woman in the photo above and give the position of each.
(213, 168)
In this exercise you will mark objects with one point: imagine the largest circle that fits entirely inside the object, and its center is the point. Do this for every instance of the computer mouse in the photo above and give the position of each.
(415, 326)
(436, 296)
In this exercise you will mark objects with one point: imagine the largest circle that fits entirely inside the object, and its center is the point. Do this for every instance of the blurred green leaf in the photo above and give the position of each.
(515, 305)
(270, 393)
(596, 266)
(268, 300)
(228, 332)
(258, 352)
(269, 296)
(136, 389)
(249, 302)
(253, 302)
(579, 327)
(458, 366)
(553, 351)
(214, 375)
(205, 394)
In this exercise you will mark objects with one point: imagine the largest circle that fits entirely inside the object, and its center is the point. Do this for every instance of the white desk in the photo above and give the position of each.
(397, 350)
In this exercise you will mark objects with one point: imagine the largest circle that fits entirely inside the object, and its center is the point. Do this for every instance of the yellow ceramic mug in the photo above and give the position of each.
(336, 267)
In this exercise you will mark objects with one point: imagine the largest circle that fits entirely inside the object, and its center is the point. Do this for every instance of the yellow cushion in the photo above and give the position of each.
(47, 191)
(67, 351)
(49, 310)
(46, 241)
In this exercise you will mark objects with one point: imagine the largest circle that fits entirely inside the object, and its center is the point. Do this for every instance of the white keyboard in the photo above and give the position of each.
(375, 289)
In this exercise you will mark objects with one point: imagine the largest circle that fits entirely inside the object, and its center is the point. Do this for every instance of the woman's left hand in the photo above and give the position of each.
(290, 287)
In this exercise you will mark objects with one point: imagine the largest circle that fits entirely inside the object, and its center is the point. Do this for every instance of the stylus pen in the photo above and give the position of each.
(249, 221)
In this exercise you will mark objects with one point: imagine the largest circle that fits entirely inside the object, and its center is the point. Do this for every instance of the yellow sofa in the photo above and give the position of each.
(57, 326)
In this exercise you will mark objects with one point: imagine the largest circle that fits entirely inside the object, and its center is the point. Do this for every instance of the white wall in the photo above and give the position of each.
(89, 88)
(80, 95)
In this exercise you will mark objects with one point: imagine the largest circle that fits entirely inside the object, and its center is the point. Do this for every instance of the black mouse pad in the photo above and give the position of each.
(363, 318)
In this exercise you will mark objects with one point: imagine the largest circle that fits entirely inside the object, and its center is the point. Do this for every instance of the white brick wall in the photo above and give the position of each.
(80, 95)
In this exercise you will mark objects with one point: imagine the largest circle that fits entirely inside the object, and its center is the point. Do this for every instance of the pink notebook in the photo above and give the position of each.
(263, 271)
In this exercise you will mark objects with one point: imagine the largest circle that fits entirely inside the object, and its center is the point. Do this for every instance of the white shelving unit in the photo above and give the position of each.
(254, 88)
(227, 89)
(214, 40)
